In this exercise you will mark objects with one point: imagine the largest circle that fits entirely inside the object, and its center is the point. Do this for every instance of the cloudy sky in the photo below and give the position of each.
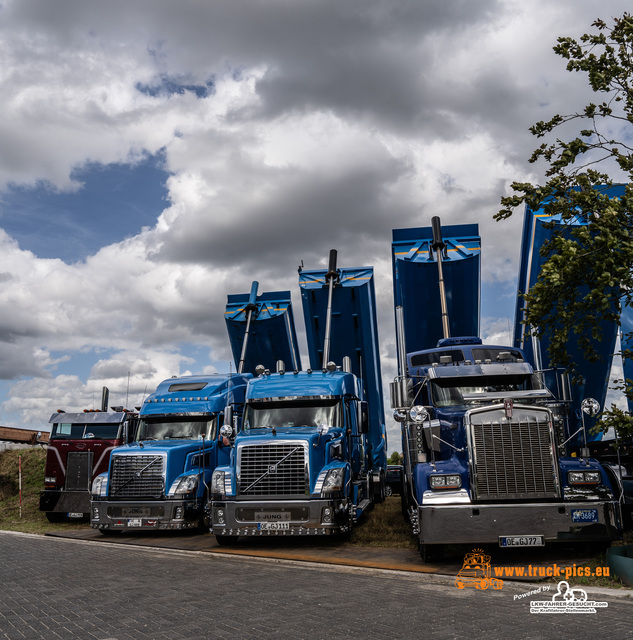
(156, 156)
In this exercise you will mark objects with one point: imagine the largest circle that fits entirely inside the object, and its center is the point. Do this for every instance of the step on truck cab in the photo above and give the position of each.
(78, 450)
(310, 459)
(487, 454)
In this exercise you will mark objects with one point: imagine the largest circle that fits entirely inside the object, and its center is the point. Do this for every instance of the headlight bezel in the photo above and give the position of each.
(217, 483)
(445, 481)
(590, 477)
(185, 485)
(333, 481)
(99, 486)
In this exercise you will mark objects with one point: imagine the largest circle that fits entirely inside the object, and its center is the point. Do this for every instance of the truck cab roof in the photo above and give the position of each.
(195, 394)
(302, 384)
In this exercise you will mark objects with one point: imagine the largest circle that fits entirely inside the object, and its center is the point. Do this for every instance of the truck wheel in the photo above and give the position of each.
(378, 488)
(55, 516)
(431, 552)
(388, 491)
(226, 541)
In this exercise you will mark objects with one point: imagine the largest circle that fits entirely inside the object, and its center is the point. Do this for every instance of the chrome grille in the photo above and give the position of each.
(513, 458)
(137, 476)
(273, 470)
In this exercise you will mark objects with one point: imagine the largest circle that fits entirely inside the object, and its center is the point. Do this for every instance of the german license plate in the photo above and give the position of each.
(521, 541)
(273, 526)
(72, 514)
(135, 522)
(584, 515)
(272, 516)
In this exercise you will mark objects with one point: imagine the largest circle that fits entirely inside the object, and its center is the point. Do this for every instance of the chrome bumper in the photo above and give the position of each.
(460, 524)
(282, 517)
(136, 515)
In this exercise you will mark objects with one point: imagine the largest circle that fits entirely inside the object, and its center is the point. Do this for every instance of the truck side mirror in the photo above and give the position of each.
(226, 430)
(363, 417)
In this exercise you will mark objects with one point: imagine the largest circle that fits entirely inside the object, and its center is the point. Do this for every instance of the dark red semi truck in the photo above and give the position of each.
(78, 450)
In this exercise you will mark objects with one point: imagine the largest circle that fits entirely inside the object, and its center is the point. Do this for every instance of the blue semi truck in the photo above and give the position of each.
(487, 446)
(310, 459)
(161, 480)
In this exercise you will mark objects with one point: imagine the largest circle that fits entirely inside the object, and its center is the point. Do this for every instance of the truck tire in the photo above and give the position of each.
(226, 541)
(55, 516)
(431, 552)
(378, 487)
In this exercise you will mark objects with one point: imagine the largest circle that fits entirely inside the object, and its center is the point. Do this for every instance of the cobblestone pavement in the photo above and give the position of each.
(57, 588)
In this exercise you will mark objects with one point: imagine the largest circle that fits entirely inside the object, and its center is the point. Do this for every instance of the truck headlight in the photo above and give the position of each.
(334, 480)
(584, 477)
(184, 484)
(217, 483)
(452, 481)
(99, 486)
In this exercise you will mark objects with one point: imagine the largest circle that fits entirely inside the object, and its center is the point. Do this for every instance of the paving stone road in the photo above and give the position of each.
(55, 588)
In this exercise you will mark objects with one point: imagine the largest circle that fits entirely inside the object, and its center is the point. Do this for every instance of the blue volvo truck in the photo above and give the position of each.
(161, 480)
(310, 459)
(486, 445)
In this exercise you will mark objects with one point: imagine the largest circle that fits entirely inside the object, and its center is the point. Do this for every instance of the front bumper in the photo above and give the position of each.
(461, 524)
(280, 517)
(62, 501)
(139, 514)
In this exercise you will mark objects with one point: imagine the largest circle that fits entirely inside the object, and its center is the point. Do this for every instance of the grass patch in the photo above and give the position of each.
(33, 520)
(384, 526)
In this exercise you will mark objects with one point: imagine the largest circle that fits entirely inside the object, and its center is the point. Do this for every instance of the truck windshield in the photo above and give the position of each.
(450, 392)
(178, 429)
(293, 413)
(78, 431)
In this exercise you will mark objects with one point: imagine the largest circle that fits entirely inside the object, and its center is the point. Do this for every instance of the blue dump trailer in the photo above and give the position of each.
(486, 451)
(416, 274)
(538, 228)
(268, 321)
(310, 459)
(161, 480)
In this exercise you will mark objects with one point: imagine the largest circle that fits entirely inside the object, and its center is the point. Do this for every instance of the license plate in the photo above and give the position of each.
(272, 516)
(584, 515)
(273, 526)
(134, 512)
(72, 514)
(521, 541)
(135, 522)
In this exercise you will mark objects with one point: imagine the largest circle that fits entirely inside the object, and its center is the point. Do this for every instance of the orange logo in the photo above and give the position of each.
(476, 572)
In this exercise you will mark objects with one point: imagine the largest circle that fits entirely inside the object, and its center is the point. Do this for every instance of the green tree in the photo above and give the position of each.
(395, 458)
(587, 276)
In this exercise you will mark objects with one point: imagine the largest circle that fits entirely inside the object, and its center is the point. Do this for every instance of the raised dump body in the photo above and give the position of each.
(268, 321)
(538, 228)
(354, 333)
(415, 283)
